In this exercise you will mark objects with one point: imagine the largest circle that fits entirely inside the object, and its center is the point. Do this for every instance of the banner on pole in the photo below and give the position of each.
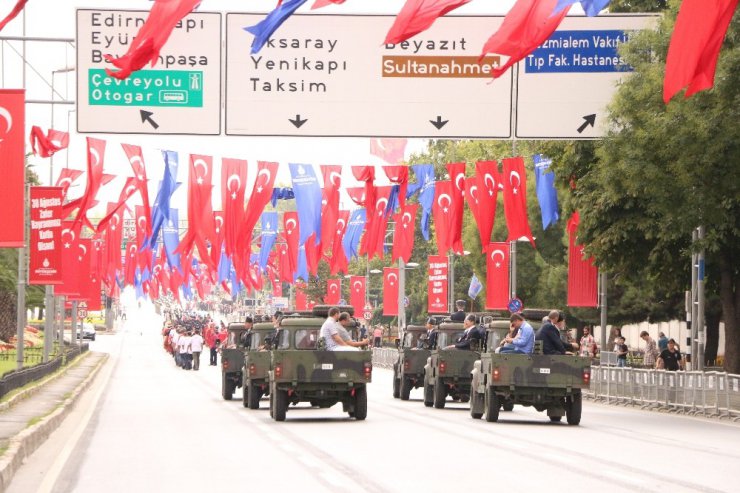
(12, 164)
(437, 287)
(45, 257)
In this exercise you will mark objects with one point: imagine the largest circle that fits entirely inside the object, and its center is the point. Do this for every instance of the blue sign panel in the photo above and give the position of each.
(579, 51)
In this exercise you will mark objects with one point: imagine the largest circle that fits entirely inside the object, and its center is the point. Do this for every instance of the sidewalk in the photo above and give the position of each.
(28, 418)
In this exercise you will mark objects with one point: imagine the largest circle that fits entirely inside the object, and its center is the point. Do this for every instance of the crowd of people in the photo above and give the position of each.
(185, 336)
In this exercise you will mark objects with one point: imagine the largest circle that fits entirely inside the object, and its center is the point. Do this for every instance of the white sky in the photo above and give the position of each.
(56, 18)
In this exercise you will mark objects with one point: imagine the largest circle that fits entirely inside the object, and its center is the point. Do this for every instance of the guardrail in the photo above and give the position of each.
(384, 357)
(689, 392)
(18, 378)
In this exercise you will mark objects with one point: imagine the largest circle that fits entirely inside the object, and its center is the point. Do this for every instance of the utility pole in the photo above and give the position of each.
(700, 305)
(603, 310)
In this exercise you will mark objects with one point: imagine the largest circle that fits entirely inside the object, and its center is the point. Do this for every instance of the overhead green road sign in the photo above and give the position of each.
(147, 88)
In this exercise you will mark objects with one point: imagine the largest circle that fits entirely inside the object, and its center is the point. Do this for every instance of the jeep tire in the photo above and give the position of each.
(573, 407)
(440, 394)
(281, 405)
(428, 394)
(492, 405)
(396, 382)
(255, 394)
(227, 388)
(360, 412)
(245, 394)
(476, 404)
(405, 388)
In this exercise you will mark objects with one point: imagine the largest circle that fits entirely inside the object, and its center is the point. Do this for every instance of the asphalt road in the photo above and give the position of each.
(146, 425)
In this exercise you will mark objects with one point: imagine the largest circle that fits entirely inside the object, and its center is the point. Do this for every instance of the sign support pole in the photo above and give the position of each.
(74, 324)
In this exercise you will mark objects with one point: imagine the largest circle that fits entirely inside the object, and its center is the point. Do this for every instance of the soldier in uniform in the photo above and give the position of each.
(459, 315)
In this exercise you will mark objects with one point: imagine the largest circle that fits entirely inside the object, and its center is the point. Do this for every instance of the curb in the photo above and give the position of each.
(27, 441)
(4, 406)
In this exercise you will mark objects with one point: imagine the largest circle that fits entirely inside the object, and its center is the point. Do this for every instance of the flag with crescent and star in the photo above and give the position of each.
(390, 291)
(200, 211)
(515, 200)
(260, 197)
(417, 16)
(442, 211)
(497, 276)
(233, 188)
(338, 262)
(330, 209)
(583, 275)
(333, 291)
(373, 241)
(457, 178)
(357, 293)
(136, 159)
(403, 237)
(489, 184)
(49, 144)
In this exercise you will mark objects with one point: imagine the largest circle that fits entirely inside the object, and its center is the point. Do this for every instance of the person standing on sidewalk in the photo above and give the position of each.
(196, 345)
(378, 336)
(651, 350)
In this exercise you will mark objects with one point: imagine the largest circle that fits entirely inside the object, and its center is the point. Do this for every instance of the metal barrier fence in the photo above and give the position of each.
(384, 356)
(18, 378)
(689, 392)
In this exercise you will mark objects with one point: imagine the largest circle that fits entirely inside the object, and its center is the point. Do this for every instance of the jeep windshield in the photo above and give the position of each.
(306, 339)
(411, 338)
(445, 338)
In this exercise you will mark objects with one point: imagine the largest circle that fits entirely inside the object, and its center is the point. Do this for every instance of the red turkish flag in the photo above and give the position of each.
(136, 159)
(291, 231)
(146, 44)
(489, 183)
(95, 180)
(403, 238)
(417, 16)
(390, 291)
(338, 257)
(442, 210)
(437, 284)
(695, 45)
(313, 255)
(144, 255)
(527, 25)
(12, 164)
(366, 174)
(130, 267)
(113, 237)
(261, 195)
(301, 300)
(218, 239)
(399, 175)
(333, 291)
(233, 188)
(96, 258)
(69, 241)
(374, 237)
(89, 287)
(582, 273)
(457, 178)
(323, 3)
(129, 188)
(357, 293)
(497, 276)
(515, 200)
(45, 251)
(330, 210)
(65, 179)
(200, 212)
(389, 150)
(286, 275)
(357, 194)
(49, 144)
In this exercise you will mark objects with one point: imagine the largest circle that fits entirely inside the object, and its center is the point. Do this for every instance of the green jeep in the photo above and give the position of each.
(408, 370)
(447, 371)
(301, 371)
(551, 383)
(232, 360)
(255, 382)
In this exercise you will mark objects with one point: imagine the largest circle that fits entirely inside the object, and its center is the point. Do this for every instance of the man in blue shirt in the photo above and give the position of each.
(523, 343)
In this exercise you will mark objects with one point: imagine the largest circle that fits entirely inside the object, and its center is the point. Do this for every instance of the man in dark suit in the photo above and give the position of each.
(429, 340)
(550, 335)
(473, 336)
(459, 315)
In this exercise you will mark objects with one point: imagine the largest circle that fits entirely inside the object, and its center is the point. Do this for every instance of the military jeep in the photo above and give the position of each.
(550, 383)
(408, 370)
(302, 371)
(255, 383)
(232, 360)
(448, 371)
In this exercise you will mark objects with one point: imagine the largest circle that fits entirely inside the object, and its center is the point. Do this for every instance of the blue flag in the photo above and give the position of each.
(236, 285)
(138, 286)
(224, 267)
(302, 268)
(546, 193)
(269, 235)
(591, 7)
(168, 185)
(356, 226)
(307, 193)
(264, 29)
(475, 287)
(171, 240)
(425, 186)
(187, 291)
(281, 194)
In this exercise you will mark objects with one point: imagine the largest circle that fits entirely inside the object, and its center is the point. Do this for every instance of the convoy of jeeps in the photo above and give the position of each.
(290, 366)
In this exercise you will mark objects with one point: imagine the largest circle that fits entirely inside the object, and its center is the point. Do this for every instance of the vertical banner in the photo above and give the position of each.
(12, 164)
(301, 300)
(390, 291)
(357, 294)
(582, 274)
(497, 276)
(45, 258)
(437, 289)
(70, 280)
(333, 291)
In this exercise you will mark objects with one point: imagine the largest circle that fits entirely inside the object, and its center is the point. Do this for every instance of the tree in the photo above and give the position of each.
(662, 171)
